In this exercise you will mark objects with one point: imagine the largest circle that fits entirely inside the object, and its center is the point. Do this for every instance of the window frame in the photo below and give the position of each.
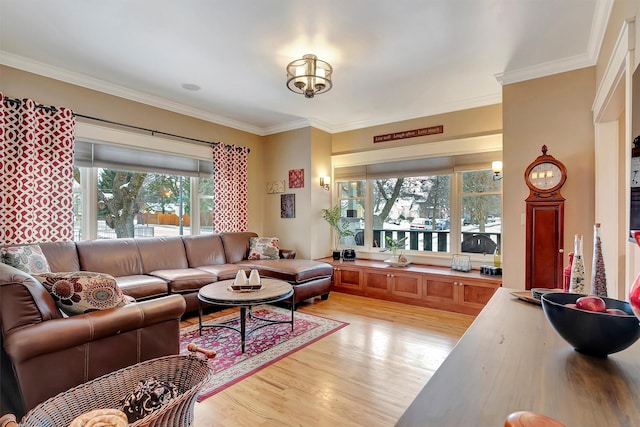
(103, 135)
(483, 146)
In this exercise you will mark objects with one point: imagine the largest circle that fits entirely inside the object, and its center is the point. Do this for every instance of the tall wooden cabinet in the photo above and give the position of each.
(429, 286)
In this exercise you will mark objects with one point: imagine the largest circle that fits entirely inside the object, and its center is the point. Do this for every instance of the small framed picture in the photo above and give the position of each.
(287, 206)
(296, 178)
(275, 187)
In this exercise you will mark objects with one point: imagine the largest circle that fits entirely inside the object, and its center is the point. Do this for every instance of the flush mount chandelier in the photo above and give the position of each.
(309, 76)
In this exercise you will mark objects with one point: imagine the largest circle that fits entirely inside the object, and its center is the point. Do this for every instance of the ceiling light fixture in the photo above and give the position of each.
(309, 76)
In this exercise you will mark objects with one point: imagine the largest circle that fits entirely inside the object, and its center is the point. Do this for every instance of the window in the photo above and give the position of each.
(205, 196)
(124, 192)
(142, 204)
(481, 207)
(351, 198)
(78, 197)
(438, 212)
(419, 204)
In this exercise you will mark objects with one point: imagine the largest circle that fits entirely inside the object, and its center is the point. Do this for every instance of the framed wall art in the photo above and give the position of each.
(287, 206)
(296, 178)
(274, 187)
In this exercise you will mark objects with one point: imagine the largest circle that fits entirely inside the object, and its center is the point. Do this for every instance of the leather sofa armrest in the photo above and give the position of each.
(58, 334)
(287, 254)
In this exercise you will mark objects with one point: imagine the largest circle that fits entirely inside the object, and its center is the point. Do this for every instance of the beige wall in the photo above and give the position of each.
(19, 84)
(319, 229)
(282, 152)
(555, 111)
(458, 124)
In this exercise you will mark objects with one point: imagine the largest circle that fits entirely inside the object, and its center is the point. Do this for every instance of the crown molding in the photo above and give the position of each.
(491, 99)
(297, 124)
(545, 69)
(82, 80)
(588, 59)
(599, 28)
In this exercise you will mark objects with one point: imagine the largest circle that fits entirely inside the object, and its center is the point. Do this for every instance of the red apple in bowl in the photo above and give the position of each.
(591, 303)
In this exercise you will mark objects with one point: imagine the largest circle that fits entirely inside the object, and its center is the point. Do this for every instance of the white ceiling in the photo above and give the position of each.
(393, 59)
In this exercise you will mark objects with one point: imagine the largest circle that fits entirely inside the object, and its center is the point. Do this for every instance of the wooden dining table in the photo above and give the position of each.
(511, 359)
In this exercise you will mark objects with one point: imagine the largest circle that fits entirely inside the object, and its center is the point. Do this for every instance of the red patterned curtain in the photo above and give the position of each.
(230, 188)
(36, 172)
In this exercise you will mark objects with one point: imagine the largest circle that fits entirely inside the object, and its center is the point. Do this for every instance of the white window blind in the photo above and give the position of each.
(89, 154)
(417, 167)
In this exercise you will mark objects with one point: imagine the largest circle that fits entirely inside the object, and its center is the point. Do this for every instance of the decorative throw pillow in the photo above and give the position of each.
(82, 291)
(264, 248)
(148, 396)
(29, 259)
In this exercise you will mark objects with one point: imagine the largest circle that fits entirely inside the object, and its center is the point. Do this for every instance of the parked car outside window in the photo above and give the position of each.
(442, 224)
(421, 224)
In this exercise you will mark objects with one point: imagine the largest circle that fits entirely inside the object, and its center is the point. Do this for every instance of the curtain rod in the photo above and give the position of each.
(18, 102)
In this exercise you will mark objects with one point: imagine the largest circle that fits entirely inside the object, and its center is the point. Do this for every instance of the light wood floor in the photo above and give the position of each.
(365, 374)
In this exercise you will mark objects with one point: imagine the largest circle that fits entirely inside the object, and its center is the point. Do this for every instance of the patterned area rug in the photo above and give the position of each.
(263, 346)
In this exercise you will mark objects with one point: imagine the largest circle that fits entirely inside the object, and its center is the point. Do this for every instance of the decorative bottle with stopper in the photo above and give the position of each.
(576, 284)
(598, 276)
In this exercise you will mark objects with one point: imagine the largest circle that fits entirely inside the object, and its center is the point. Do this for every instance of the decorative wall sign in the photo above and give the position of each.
(288, 206)
(274, 187)
(409, 134)
(296, 178)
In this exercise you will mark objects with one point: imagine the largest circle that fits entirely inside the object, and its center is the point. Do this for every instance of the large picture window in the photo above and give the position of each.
(122, 192)
(440, 212)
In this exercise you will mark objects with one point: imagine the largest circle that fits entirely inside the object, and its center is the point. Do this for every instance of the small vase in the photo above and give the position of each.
(634, 294)
(598, 274)
(576, 284)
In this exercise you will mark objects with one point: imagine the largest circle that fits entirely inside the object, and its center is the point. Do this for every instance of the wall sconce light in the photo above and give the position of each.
(496, 167)
(325, 181)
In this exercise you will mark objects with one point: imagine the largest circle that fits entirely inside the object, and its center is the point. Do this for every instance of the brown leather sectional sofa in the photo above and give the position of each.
(147, 268)
(44, 353)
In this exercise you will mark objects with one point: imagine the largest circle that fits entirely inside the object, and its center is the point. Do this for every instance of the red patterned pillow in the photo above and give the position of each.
(264, 248)
(82, 291)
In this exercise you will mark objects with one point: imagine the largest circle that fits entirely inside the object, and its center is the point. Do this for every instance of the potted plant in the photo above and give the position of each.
(340, 227)
(393, 245)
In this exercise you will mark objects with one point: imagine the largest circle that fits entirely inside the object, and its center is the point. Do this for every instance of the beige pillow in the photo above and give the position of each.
(29, 258)
(264, 248)
(81, 292)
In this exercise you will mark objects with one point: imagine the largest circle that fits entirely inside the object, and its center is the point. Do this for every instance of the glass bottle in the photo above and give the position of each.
(496, 257)
(576, 283)
(598, 275)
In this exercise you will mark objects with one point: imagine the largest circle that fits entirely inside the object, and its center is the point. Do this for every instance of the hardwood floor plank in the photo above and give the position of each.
(364, 374)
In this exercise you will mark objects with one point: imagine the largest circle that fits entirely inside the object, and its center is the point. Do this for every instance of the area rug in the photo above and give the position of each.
(264, 346)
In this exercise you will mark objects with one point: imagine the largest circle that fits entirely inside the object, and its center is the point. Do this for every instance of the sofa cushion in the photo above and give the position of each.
(61, 256)
(264, 248)
(117, 257)
(28, 258)
(143, 287)
(290, 270)
(204, 250)
(224, 271)
(162, 253)
(81, 292)
(236, 245)
(185, 279)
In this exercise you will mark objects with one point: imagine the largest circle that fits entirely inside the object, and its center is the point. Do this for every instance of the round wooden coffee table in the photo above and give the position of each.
(220, 293)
